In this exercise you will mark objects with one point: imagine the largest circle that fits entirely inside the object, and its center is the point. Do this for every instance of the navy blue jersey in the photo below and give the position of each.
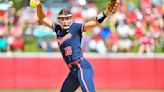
(70, 48)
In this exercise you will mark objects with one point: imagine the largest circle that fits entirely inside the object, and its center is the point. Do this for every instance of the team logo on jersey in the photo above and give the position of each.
(60, 40)
(68, 50)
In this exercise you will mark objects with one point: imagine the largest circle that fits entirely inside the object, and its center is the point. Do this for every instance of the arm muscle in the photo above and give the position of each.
(42, 16)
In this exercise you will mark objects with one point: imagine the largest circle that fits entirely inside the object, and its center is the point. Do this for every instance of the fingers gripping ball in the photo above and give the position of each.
(32, 5)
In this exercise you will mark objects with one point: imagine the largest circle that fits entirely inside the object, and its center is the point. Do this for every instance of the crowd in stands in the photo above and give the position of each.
(131, 29)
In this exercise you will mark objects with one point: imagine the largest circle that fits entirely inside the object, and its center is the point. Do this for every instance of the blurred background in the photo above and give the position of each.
(137, 27)
(132, 40)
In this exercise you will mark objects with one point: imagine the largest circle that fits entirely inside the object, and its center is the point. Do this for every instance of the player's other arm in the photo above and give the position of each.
(41, 15)
(112, 7)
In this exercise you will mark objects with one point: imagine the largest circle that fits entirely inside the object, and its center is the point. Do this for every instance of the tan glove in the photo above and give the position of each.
(113, 5)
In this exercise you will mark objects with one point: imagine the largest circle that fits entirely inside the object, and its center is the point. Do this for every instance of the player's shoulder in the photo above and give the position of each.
(56, 25)
(77, 25)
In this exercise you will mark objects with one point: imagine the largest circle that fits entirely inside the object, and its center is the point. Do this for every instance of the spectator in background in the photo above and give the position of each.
(156, 30)
(139, 31)
(124, 30)
(96, 43)
(3, 31)
(48, 44)
(131, 17)
(77, 14)
(162, 37)
(15, 39)
(162, 41)
(3, 42)
(145, 43)
(125, 45)
(85, 40)
(112, 42)
(18, 44)
(145, 4)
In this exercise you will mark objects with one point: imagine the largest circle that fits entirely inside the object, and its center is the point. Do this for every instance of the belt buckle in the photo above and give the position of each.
(75, 62)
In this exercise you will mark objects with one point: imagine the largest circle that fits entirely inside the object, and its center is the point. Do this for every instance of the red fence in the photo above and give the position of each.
(114, 73)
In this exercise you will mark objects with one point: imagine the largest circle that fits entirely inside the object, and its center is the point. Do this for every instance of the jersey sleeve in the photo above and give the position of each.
(54, 27)
(82, 28)
(76, 28)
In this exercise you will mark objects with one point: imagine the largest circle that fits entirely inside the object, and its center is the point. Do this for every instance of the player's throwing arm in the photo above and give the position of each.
(40, 13)
(112, 8)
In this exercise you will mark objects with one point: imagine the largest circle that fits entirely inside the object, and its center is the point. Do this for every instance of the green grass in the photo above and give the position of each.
(81, 91)
(31, 45)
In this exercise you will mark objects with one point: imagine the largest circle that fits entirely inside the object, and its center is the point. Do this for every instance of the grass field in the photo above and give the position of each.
(81, 91)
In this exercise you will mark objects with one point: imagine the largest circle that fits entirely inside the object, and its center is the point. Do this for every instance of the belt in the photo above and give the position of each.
(75, 62)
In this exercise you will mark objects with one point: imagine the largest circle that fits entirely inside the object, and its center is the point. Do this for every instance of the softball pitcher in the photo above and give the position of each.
(69, 35)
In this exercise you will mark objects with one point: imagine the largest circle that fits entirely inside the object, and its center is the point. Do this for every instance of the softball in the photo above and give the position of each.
(32, 5)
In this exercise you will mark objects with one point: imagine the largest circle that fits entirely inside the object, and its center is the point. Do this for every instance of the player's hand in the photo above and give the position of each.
(37, 2)
(113, 5)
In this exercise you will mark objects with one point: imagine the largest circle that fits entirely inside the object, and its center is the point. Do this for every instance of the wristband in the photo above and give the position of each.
(101, 17)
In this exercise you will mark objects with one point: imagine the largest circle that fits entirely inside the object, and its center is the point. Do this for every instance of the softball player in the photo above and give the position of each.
(69, 37)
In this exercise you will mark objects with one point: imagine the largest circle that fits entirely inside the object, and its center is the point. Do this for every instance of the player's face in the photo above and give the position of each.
(65, 22)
